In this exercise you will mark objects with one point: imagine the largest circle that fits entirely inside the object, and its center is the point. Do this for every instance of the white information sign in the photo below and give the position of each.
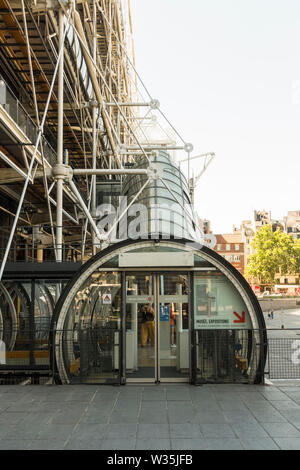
(218, 305)
(139, 299)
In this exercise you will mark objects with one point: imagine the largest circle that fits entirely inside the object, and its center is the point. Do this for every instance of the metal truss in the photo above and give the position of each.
(75, 69)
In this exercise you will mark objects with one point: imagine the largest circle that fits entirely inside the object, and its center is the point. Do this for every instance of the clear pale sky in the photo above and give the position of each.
(227, 74)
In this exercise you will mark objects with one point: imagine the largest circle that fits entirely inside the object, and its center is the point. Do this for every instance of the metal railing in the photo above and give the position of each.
(91, 355)
(232, 356)
(283, 360)
(35, 244)
(17, 112)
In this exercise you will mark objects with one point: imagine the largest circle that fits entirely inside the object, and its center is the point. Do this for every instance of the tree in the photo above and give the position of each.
(274, 253)
(297, 256)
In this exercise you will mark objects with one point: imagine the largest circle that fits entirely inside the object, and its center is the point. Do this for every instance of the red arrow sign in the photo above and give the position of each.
(241, 319)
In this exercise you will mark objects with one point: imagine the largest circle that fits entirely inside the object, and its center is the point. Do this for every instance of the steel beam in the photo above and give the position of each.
(106, 171)
(60, 124)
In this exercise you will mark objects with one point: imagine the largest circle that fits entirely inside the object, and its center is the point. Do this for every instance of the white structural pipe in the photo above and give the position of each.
(89, 62)
(209, 154)
(115, 171)
(64, 211)
(154, 147)
(12, 232)
(92, 66)
(128, 104)
(85, 209)
(60, 127)
(14, 166)
(94, 179)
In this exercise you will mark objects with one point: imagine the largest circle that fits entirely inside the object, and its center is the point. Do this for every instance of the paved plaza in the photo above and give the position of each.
(179, 417)
(156, 417)
(290, 319)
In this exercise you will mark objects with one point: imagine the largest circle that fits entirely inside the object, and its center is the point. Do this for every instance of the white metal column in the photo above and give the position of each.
(60, 115)
(157, 328)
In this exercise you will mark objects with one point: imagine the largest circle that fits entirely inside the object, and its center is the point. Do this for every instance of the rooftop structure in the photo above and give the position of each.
(84, 149)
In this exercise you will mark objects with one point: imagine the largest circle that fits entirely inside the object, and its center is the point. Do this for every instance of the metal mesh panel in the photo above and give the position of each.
(284, 358)
(226, 356)
(90, 355)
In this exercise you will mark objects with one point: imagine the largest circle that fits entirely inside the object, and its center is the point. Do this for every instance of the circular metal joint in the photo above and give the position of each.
(60, 171)
(188, 148)
(122, 148)
(155, 172)
(154, 104)
(93, 103)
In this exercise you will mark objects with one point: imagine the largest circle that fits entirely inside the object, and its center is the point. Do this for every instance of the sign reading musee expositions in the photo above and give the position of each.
(218, 305)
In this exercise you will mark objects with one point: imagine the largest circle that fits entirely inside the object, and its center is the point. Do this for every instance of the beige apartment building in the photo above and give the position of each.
(236, 247)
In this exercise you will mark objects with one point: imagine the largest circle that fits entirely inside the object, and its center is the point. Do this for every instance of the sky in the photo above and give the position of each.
(227, 75)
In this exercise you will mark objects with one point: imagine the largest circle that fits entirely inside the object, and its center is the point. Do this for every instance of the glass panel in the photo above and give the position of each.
(89, 88)
(26, 310)
(22, 120)
(201, 262)
(11, 105)
(140, 327)
(31, 131)
(155, 249)
(223, 330)
(92, 330)
(43, 312)
(218, 304)
(112, 263)
(174, 326)
(225, 355)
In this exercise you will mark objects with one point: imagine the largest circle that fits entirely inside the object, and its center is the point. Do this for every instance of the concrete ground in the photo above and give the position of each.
(154, 417)
(290, 319)
(180, 417)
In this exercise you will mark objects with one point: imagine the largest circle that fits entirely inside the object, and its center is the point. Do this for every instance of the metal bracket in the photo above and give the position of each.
(188, 147)
(155, 172)
(154, 104)
(60, 171)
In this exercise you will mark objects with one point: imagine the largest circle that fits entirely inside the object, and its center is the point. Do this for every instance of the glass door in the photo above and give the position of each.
(157, 327)
(173, 327)
(140, 350)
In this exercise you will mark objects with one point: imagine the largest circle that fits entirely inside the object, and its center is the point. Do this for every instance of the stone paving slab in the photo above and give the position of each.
(154, 417)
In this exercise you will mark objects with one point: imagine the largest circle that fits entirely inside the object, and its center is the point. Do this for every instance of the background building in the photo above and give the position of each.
(236, 247)
(261, 218)
(242, 237)
(292, 223)
(231, 246)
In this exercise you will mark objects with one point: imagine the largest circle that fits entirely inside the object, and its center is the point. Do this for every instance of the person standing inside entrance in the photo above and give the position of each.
(147, 328)
(172, 324)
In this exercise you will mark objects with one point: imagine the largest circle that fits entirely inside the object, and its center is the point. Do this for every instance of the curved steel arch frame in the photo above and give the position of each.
(14, 322)
(15, 290)
(94, 263)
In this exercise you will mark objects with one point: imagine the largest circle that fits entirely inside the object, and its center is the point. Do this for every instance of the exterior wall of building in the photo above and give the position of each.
(232, 248)
(245, 234)
(261, 218)
(236, 247)
(292, 223)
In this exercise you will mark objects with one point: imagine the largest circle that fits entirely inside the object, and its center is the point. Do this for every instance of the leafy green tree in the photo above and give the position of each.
(297, 256)
(274, 253)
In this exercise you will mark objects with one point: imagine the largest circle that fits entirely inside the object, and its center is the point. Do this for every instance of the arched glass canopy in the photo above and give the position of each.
(168, 205)
(97, 322)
